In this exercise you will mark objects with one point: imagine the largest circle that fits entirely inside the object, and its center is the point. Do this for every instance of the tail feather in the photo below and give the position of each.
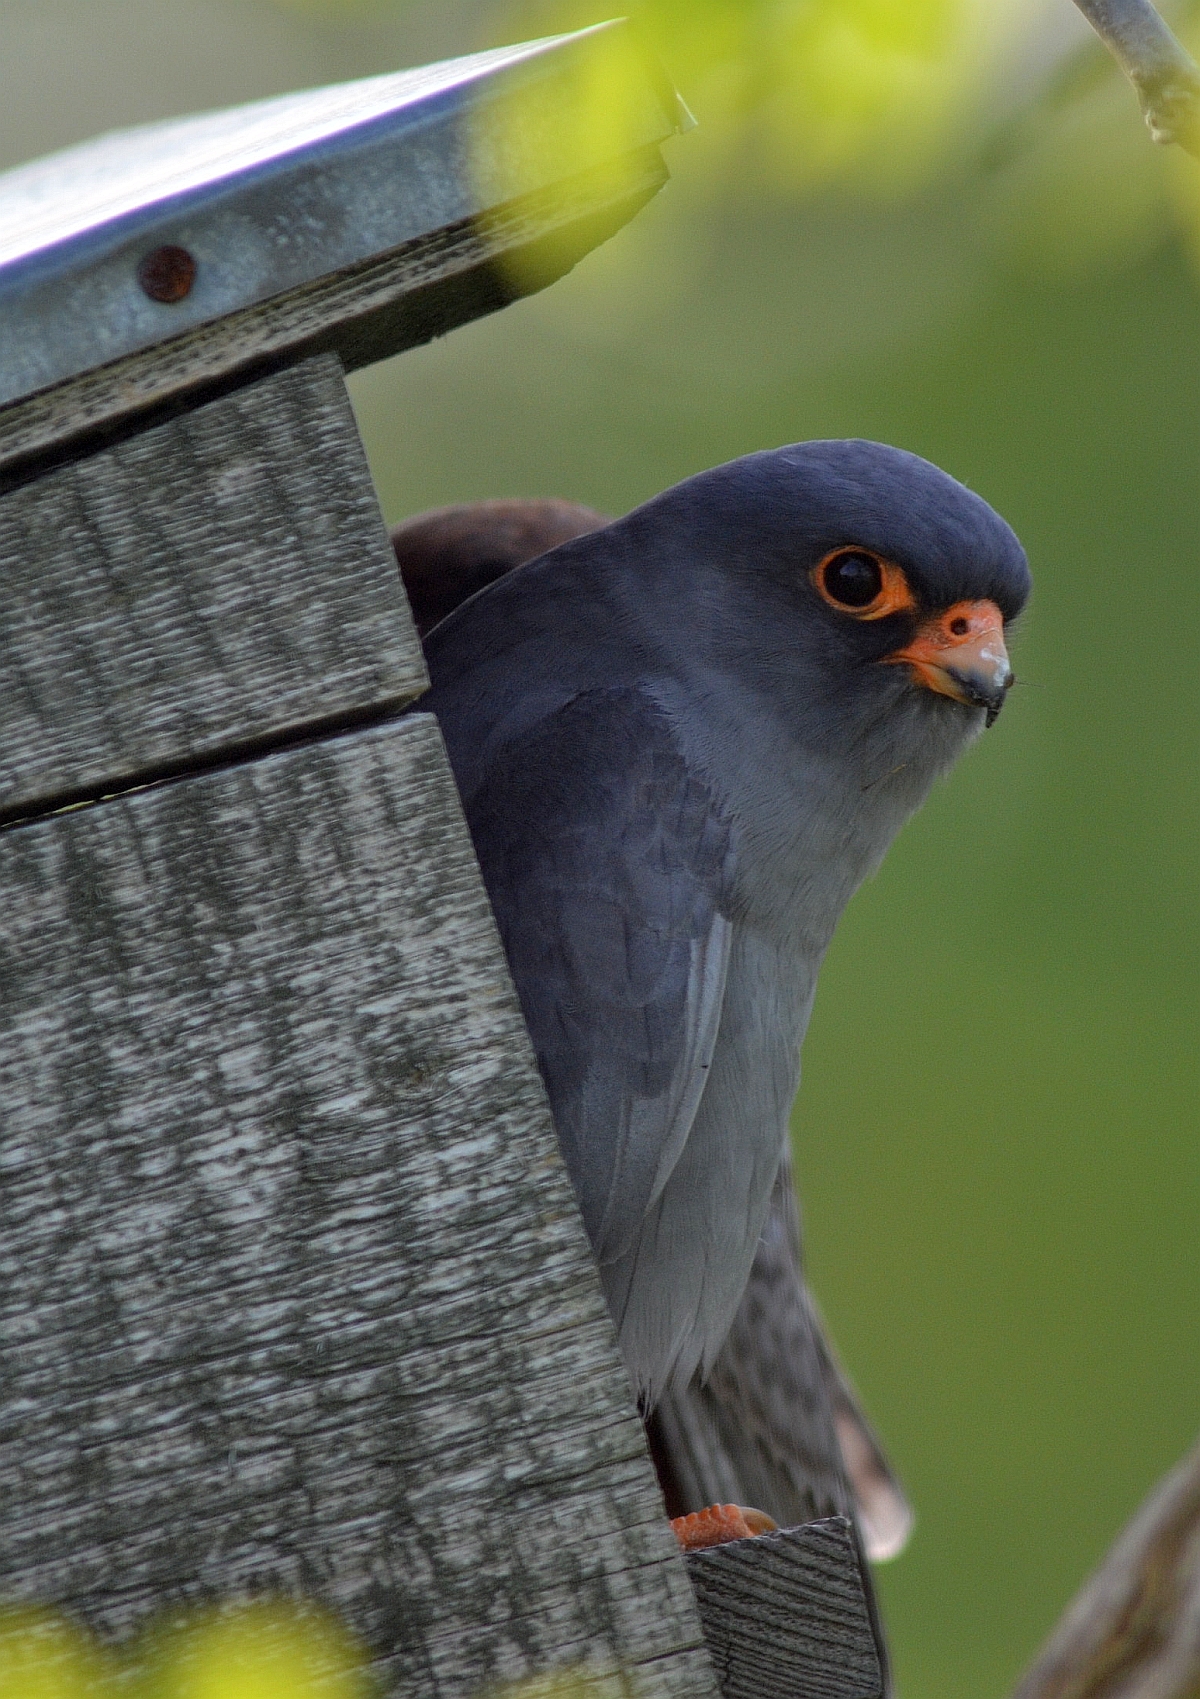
(777, 1424)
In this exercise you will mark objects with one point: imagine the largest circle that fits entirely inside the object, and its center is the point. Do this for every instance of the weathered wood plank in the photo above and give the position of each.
(223, 577)
(362, 312)
(785, 1615)
(293, 1288)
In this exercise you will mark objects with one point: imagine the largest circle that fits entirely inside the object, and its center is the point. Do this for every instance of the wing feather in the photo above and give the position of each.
(607, 864)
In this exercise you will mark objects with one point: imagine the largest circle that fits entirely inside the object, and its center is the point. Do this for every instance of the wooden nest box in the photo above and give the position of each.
(294, 1291)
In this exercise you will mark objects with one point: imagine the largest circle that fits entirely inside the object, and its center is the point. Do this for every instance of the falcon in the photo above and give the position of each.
(682, 739)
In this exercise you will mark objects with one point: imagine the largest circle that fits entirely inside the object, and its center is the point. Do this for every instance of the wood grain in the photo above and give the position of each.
(293, 1289)
(218, 579)
(785, 1615)
(405, 297)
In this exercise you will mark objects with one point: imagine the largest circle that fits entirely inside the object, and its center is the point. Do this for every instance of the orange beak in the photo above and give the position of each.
(961, 653)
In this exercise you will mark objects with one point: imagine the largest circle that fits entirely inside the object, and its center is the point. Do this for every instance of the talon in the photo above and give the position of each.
(719, 1524)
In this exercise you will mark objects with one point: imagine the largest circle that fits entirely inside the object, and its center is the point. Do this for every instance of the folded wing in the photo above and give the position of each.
(608, 868)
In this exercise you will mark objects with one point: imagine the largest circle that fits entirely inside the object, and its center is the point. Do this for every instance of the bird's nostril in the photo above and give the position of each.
(959, 626)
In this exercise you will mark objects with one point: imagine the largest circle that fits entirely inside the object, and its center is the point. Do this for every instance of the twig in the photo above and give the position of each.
(1162, 71)
(1133, 1630)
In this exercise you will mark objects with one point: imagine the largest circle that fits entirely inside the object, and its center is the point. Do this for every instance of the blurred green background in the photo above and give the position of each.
(940, 223)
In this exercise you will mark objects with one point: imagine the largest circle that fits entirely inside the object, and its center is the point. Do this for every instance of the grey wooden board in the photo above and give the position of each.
(785, 1615)
(293, 1289)
(222, 577)
(275, 195)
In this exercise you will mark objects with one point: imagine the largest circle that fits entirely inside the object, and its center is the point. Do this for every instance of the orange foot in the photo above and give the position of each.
(719, 1523)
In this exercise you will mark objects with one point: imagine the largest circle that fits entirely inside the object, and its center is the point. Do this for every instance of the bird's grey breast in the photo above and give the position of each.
(811, 818)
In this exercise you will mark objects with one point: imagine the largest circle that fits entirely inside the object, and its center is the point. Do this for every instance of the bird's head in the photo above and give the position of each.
(858, 584)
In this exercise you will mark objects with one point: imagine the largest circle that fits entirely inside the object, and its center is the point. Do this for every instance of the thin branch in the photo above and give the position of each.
(1133, 1631)
(1162, 71)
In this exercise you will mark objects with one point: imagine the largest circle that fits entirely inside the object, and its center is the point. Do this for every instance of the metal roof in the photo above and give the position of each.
(266, 197)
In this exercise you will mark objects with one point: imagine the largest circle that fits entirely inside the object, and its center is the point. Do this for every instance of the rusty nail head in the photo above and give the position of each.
(167, 273)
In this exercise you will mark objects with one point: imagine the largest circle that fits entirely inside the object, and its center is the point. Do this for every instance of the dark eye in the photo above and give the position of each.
(862, 584)
(852, 580)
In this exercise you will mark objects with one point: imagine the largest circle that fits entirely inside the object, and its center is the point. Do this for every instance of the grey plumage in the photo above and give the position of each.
(777, 1423)
(677, 764)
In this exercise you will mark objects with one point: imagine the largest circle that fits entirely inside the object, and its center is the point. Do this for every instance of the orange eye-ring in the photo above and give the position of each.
(861, 583)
